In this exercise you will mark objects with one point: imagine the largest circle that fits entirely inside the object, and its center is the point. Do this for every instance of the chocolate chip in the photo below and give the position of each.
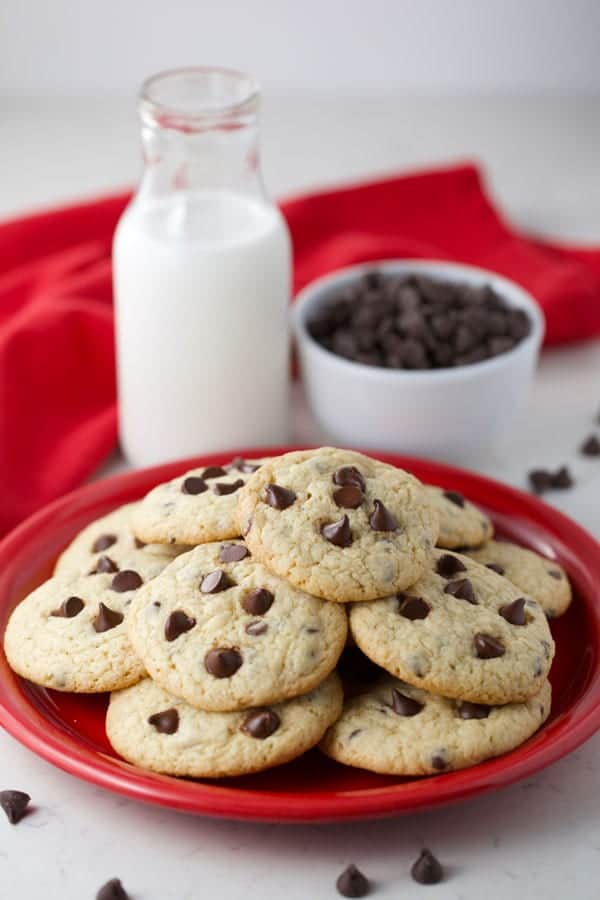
(349, 475)
(215, 582)
(255, 629)
(194, 485)
(466, 710)
(243, 465)
(543, 480)
(495, 567)
(165, 722)
(106, 619)
(455, 497)
(381, 518)
(546, 648)
(69, 608)
(261, 724)
(591, 446)
(352, 883)
(412, 607)
(223, 662)
(349, 497)
(355, 733)
(462, 589)
(139, 544)
(221, 489)
(233, 553)
(213, 472)
(177, 624)
(127, 580)
(555, 574)
(14, 804)
(449, 565)
(439, 763)
(338, 533)
(487, 647)
(103, 542)
(403, 705)
(105, 564)
(112, 890)
(279, 497)
(427, 869)
(514, 612)
(257, 601)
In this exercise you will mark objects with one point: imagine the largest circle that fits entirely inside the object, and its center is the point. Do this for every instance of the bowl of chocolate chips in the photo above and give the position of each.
(434, 359)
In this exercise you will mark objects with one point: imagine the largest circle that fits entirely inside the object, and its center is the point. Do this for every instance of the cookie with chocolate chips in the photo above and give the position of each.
(397, 729)
(338, 524)
(195, 508)
(540, 578)
(151, 728)
(462, 524)
(70, 634)
(462, 631)
(108, 545)
(220, 630)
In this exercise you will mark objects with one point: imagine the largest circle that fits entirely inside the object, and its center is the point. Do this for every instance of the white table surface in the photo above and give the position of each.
(537, 839)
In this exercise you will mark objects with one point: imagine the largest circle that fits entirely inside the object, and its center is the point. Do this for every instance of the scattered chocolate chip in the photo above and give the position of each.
(449, 565)
(455, 497)
(165, 722)
(462, 589)
(127, 580)
(103, 542)
(139, 544)
(487, 647)
(112, 890)
(349, 497)
(381, 518)
(233, 553)
(427, 869)
(215, 582)
(555, 574)
(412, 607)
(257, 601)
(279, 497)
(439, 763)
(213, 472)
(403, 705)
(261, 724)
(221, 488)
(106, 619)
(338, 533)
(105, 564)
(542, 480)
(69, 608)
(562, 479)
(194, 485)
(495, 567)
(255, 629)
(467, 710)
(349, 475)
(352, 883)
(591, 446)
(223, 662)
(14, 804)
(242, 465)
(177, 624)
(514, 612)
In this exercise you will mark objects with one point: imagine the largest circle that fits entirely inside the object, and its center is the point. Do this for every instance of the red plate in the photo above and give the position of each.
(68, 730)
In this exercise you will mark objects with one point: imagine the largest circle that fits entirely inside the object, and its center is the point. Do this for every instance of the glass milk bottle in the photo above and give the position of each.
(201, 262)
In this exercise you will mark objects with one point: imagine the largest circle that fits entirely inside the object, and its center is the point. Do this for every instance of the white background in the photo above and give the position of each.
(356, 46)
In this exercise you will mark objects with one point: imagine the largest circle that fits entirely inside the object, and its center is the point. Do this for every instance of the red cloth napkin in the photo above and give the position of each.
(57, 383)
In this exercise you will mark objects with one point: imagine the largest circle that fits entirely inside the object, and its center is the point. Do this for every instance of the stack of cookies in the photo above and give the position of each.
(217, 609)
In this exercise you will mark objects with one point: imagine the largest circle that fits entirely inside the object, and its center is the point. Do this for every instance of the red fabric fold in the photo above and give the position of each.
(57, 383)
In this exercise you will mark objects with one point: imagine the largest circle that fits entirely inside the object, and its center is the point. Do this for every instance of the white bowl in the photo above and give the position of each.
(452, 414)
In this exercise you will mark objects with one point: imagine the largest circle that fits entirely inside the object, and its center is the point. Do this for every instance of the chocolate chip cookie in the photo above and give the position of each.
(195, 508)
(542, 579)
(220, 630)
(396, 729)
(157, 731)
(338, 524)
(460, 631)
(461, 523)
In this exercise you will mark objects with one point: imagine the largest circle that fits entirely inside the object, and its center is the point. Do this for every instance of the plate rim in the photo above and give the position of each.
(26, 724)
